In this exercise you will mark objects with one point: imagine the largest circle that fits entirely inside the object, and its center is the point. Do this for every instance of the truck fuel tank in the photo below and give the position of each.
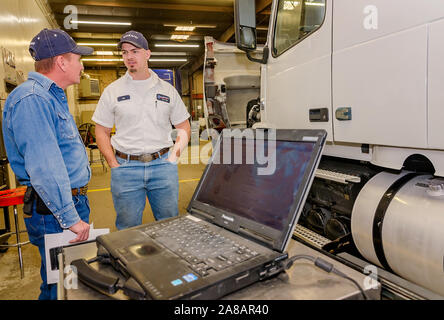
(397, 223)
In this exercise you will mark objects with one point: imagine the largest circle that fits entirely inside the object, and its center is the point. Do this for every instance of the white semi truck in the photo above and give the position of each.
(371, 73)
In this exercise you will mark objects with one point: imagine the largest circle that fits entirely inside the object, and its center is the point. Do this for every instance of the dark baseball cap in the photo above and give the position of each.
(135, 38)
(49, 43)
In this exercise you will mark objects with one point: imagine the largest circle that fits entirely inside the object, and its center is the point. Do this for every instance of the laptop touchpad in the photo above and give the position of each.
(143, 250)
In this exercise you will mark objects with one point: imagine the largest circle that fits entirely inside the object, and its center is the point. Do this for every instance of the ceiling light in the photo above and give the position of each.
(184, 28)
(154, 53)
(97, 44)
(102, 60)
(118, 60)
(211, 26)
(177, 45)
(104, 53)
(167, 60)
(194, 26)
(101, 22)
(179, 36)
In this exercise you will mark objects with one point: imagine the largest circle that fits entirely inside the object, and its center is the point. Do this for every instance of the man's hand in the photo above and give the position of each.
(114, 164)
(173, 158)
(81, 229)
(183, 136)
(103, 139)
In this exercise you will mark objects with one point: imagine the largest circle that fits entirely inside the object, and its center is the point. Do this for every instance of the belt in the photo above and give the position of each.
(147, 157)
(31, 197)
(80, 191)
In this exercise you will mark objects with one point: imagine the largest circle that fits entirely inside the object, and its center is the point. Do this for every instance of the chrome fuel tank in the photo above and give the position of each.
(398, 223)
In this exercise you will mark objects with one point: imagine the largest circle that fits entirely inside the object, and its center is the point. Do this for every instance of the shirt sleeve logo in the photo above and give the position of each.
(163, 98)
(123, 98)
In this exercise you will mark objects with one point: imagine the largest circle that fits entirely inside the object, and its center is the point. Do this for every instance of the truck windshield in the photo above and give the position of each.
(295, 20)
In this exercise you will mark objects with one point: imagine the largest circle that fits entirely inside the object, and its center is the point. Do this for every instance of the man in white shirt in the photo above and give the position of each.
(142, 107)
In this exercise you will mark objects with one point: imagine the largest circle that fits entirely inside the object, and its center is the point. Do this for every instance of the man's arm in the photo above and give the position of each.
(103, 139)
(183, 136)
(34, 135)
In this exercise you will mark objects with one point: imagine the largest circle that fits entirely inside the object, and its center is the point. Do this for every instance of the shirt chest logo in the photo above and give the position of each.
(123, 98)
(163, 98)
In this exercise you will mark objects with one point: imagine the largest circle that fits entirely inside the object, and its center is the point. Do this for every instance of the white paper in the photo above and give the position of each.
(55, 240)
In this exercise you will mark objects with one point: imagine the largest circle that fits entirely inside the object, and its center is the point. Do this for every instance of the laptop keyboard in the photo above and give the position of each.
(206, 252)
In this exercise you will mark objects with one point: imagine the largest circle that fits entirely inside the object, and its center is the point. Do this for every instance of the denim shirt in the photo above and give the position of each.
(44, 146)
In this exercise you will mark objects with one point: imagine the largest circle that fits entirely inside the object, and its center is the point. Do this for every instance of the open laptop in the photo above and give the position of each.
(239, 222)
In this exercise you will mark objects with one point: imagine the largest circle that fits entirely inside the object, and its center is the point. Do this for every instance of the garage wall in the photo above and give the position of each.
(20, 21)
(85, 107)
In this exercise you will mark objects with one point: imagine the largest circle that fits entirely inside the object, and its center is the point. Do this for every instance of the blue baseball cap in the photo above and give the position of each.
(49, 43)
(135, 38)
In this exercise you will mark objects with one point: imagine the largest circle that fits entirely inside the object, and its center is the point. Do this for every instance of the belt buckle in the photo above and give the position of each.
(146, 157)
(84, 190)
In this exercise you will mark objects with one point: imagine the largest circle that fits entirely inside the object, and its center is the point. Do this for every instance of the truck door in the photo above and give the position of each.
(298, 72)
(380, 71)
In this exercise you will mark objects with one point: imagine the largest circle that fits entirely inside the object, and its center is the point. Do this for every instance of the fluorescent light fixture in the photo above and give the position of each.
(104, 53)
(101, 60)
(179, 36)
(119, 60)
(193, 26)
(101, 23)
(93, 44)
(177, 45)
(167, 60)
(210, 26)
(154, 53)
(185, 28)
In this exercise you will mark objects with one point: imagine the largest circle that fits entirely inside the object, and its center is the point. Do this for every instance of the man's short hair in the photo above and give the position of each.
(47, 65)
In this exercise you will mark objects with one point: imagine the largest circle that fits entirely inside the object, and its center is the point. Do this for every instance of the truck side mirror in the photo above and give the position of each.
(245, 29)
(245, 24)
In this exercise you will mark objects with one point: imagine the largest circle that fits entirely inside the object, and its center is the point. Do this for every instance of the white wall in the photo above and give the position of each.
(20, 21)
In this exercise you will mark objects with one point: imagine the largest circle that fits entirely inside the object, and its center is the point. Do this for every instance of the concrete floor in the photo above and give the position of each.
(12, 287)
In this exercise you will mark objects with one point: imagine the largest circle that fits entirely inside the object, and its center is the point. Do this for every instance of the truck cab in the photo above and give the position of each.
(371, 74)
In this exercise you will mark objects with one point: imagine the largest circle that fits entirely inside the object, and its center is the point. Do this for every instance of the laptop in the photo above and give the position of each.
(236, 229)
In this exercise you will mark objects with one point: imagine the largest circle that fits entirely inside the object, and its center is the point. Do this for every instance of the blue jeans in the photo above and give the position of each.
(134, 180)
(37, 226)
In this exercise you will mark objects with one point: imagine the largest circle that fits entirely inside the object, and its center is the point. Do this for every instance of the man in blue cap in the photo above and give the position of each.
(44, 147)
(142, 155)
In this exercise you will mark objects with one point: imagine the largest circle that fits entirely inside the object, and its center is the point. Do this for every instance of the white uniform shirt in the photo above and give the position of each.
(142, 111)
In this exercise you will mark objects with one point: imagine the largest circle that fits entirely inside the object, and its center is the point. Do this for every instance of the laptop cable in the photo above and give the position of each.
(324, 265)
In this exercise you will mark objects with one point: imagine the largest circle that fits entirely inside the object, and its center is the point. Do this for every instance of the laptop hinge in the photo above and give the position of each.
(256, 236)
(202, 213)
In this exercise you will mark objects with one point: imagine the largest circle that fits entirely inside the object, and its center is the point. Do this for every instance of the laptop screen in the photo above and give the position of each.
(239, 187)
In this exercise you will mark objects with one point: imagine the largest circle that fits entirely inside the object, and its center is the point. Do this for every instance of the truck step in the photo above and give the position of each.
(310, 236)
(336, 176)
